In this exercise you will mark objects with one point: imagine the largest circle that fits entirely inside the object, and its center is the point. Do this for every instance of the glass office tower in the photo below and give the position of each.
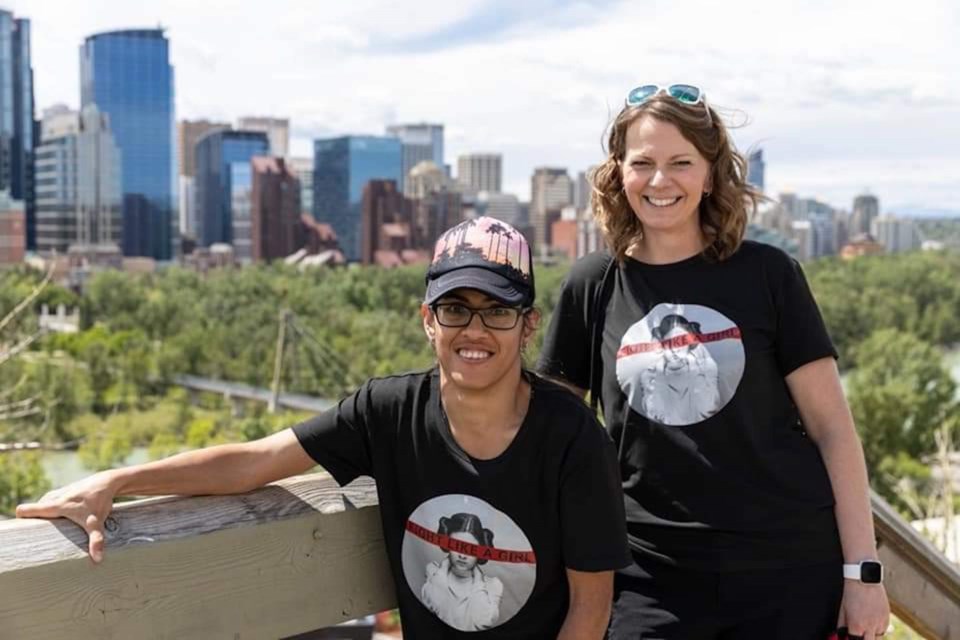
(341, 168)
(213, 156)
(18, 129)
(127, 74)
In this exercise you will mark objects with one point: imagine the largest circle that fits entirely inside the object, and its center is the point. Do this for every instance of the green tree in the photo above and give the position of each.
(900, 394)
(106, 447)
(22, 479)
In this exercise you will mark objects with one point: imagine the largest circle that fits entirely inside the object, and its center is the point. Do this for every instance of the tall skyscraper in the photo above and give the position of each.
(127, 74)
(188, 132)
(756, 168)
(78, 183)
(276, 230)
(56, 172)
(341, 168)
(866, 208)
(550, 191)
(17, 124)
(217, 183)
(277, 130)
(480, 172)
(420, 142)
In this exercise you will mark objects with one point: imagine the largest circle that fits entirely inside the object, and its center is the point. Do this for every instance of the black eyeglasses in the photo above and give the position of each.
(454, 314)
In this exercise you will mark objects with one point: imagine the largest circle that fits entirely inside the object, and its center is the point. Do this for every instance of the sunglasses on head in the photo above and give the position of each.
(683, 93)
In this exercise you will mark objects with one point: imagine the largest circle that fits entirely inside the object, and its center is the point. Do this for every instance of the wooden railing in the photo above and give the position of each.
(923, 586)
(290, 558)
(286, 559)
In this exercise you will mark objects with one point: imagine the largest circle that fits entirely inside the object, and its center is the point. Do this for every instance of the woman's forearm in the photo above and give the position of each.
(843, 457)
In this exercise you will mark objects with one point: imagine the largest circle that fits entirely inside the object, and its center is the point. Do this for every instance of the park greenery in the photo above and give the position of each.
(108, 388)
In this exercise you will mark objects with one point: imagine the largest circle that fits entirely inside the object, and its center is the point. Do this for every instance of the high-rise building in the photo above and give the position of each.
(420, 142)
(99, 221)
(895, 234)
(426, 177)
(78, 183)
(240, 186)
(866, 208)
(128, 75)
(276, 229)
(17, 125)
(217, 183)
(188, 133)
(56, 173)
(480, 172)
(550, 191)
(502, 206)
(385, 227)
(756, 168)
(341, 168)
(277, 130)
(582, 189)
(13, 230)
(302, 168)
(58, 120)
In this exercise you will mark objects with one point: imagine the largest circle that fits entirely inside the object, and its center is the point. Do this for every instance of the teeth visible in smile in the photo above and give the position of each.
(665, 202)
(471, 354)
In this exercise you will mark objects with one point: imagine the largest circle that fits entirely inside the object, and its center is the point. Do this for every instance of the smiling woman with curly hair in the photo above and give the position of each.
(745, 486)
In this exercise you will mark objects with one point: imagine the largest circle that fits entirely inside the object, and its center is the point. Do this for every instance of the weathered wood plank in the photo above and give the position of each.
(923, 586)
(285, 559)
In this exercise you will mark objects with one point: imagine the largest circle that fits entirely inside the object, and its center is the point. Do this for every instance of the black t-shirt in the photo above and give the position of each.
(479, 548)
(717, 470)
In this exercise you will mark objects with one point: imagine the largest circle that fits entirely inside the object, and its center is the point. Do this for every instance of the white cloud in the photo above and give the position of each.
(838, 93)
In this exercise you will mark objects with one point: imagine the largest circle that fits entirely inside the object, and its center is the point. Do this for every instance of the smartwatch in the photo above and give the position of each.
(867, 572)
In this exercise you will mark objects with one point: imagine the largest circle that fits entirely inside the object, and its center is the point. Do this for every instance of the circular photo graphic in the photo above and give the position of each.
(680, 364)
(467, 562)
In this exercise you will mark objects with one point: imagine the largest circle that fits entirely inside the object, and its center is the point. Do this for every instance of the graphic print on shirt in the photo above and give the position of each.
(467, 562)
(680, 364)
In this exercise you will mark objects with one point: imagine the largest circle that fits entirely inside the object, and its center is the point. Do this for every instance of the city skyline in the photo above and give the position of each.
(840, 107)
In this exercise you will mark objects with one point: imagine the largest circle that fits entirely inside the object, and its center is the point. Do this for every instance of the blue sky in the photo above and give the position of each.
(843, 96)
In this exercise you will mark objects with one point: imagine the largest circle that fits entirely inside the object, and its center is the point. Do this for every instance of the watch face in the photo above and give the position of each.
(871, 572)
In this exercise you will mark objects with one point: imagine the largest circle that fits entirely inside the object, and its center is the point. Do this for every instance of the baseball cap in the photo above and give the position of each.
(485, 254)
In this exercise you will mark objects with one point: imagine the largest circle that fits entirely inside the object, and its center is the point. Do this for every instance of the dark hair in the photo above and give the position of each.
(671, 322)
(466, 523)
(723, 213)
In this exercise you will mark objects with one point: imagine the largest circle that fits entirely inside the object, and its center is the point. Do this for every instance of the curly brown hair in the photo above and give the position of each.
(723, 212)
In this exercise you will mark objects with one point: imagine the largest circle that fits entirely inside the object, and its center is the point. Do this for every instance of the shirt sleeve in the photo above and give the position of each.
(801, 333)
(566, 346)
(339, 439)
(594, 530)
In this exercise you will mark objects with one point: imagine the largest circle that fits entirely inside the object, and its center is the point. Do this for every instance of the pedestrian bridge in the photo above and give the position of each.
(287, 559)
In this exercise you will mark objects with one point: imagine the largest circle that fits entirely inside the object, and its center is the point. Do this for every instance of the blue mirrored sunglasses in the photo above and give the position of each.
(684, 93)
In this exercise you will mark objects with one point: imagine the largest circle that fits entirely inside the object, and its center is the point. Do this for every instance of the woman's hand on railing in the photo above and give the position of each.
(86, 502)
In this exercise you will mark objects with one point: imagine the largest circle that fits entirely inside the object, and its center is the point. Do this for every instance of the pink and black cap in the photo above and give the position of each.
(483, 254)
